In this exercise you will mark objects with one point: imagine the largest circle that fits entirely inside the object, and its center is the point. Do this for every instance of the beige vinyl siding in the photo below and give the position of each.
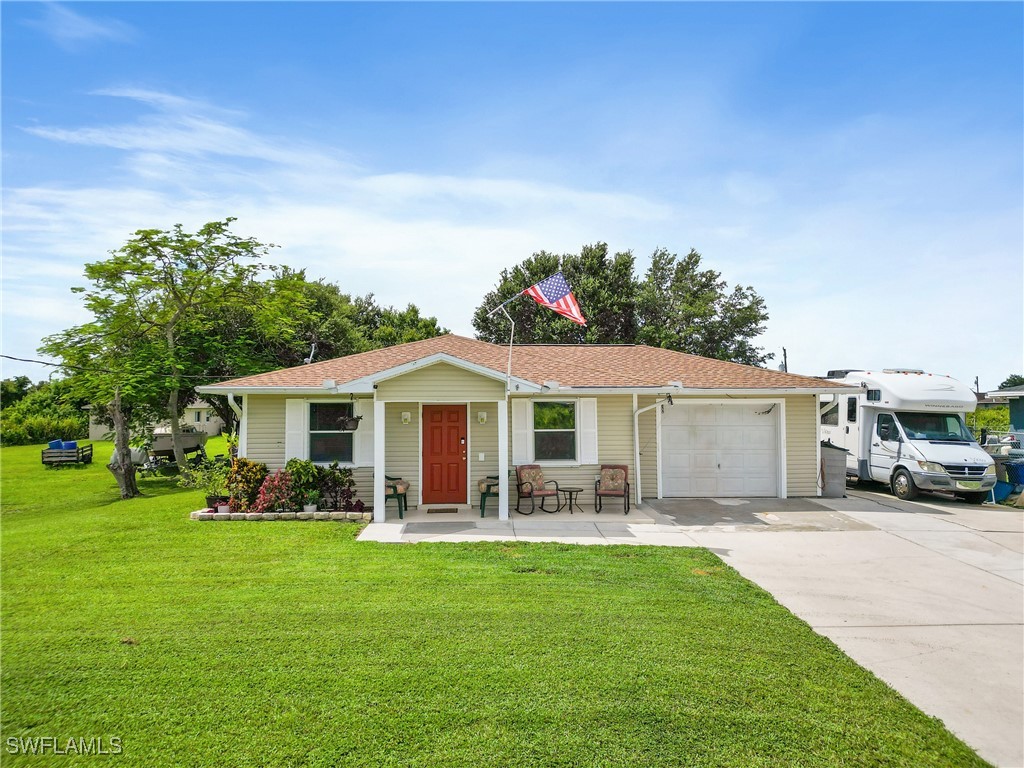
(483, 438)
(801, 446)
(402, 446)
(614, 446)
(264, 435)
(648, 448)
(441, 383)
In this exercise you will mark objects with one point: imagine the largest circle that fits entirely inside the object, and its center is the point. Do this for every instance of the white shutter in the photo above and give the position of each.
(588, 430)
(296, 429)
(362, 449)
(522, 433)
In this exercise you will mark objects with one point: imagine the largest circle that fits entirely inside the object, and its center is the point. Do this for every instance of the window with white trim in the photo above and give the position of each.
(554, 430)
(328, 440)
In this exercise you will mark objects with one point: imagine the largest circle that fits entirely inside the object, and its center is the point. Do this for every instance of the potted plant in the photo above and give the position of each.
(310, 500)
(211, 478)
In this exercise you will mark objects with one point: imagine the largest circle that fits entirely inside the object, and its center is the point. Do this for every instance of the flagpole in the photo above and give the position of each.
(504, 303)
(511, 335)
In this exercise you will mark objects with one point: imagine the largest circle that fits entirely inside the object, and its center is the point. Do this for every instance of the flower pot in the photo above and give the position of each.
(215, 500)
(309, 507)
(223, 508)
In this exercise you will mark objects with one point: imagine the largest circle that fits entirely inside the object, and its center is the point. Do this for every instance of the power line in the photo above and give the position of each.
(88, 369)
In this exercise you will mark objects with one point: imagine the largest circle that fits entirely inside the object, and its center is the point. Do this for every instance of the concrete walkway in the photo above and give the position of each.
(928, 595)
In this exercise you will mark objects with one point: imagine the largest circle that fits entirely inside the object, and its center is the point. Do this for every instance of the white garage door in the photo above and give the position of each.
(716, 449)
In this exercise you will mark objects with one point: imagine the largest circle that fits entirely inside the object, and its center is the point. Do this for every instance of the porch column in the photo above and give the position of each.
(503, 460)
(378, 460)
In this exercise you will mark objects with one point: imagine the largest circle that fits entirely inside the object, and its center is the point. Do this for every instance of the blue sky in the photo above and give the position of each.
(858, 164)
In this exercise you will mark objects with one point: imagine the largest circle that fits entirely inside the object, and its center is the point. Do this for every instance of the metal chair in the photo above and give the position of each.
(614, 482)
(530, 483)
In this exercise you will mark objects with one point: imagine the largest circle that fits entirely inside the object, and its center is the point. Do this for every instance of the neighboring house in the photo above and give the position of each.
(1015, 397)
(448, 411)
(199, 416)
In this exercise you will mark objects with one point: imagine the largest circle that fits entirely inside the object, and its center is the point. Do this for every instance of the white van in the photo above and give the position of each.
(907, 430)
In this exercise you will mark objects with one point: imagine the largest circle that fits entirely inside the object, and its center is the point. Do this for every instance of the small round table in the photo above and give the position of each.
(572, 496)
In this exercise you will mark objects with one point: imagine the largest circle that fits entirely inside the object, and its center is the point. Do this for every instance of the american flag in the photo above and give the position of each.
(554, 293)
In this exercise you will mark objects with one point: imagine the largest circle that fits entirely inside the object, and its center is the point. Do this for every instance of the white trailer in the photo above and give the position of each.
(906, 429)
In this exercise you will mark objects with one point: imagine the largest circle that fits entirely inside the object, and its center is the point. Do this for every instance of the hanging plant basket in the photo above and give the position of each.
(350, 422)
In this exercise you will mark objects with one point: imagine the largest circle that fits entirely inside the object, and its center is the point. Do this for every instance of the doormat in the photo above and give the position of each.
(442, 511)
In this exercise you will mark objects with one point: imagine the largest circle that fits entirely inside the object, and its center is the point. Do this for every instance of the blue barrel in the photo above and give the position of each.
(70, 445)
(1015, 472)
(56, 444)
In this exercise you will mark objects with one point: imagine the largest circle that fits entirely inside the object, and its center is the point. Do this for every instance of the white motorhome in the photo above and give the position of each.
(907, 430)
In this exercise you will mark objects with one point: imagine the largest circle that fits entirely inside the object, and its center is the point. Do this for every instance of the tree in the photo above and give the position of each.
(1013, 380)
(677, 306)
(13, 390)
(686, 308)
(603, 285)
(152, 302)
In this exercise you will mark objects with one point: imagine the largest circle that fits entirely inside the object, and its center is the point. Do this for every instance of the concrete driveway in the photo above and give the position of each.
(928, 595)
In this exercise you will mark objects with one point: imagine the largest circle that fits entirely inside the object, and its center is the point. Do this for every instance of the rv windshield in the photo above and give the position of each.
(934, 426)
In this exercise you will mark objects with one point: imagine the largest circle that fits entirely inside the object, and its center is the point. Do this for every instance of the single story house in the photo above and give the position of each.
(448, 411)
(198, 416)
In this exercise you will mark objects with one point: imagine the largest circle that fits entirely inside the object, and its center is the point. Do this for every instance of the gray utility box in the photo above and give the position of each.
(833, 471)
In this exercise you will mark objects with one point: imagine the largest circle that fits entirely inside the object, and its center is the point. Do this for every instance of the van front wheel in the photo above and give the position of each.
(903, 485)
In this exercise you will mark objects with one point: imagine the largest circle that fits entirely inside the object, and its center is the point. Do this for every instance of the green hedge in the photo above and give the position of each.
(47, 413)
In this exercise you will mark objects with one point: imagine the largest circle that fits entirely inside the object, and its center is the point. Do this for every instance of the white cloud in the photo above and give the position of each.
(73, 31)
(869, 260)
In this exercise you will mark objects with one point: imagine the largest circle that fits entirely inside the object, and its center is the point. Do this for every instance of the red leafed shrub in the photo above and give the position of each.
(275, 493)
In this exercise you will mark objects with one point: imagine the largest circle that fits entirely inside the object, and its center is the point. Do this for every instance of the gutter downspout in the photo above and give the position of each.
(235, 406)
(636, 443)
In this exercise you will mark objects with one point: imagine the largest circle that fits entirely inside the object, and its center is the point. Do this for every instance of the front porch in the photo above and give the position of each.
(643, 525)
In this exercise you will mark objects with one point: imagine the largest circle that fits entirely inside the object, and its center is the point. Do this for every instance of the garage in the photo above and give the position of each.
(720, 449)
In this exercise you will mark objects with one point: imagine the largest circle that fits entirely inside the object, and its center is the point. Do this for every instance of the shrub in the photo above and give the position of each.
(306, 477)
(208, 476)
(275, 493)
(337, 489)
(47, 413)
(244, 481)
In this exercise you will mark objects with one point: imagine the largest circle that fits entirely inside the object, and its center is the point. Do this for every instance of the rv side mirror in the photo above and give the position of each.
(883, 432)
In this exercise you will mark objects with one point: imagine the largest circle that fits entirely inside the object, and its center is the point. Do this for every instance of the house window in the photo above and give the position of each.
(197, 417)
(554, 431)
(327, 440)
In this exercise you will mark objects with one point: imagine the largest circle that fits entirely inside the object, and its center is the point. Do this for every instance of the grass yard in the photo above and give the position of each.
(291, 644)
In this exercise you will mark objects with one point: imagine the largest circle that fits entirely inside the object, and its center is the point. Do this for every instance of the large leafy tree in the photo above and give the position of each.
(153, 302)
(678, 305)
(603, 284)
(173, 310)
(692, 310)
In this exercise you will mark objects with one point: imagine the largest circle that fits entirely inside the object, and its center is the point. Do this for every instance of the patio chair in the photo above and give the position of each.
(396, 488)
(614, 482)
(530, 484)
(488, 490)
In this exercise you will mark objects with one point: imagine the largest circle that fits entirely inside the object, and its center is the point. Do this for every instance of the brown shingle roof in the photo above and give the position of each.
(583, 365)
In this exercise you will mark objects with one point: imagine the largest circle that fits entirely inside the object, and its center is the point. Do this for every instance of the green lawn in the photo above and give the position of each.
(289, 643)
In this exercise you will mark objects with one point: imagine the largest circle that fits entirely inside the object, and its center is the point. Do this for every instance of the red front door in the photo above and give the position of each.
(444, 454)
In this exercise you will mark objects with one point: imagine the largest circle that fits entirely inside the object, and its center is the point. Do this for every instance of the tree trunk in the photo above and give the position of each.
(123, 470)
(172, 404)
(223, 410)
